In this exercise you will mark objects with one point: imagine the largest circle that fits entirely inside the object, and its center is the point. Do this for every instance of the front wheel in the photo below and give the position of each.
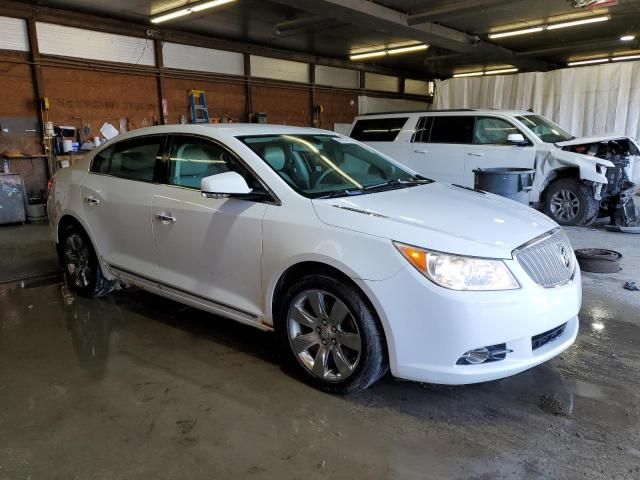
(570, 202)
(331, 335)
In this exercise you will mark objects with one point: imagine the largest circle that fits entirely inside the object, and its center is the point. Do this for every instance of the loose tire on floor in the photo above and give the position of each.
(81, 265)
(330, 335)
(568, 201)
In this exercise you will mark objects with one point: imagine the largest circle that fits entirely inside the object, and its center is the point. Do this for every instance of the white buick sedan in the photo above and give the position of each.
(359, 264)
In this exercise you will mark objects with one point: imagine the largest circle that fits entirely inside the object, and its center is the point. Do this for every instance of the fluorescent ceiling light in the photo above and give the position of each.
(587, 62)
(504, 70)
(627, 38)
(188, 9)
(574, 23)
(413, 48)
(516, 32)
(362, 56)
(213, 3)
(390, 51)
(485, 72)
(469, 74)
(625, 57)
(170, 16)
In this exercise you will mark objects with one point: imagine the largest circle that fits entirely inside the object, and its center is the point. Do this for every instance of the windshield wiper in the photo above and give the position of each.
(397, 182)
(347, 192)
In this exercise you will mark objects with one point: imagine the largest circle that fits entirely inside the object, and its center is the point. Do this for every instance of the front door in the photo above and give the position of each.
(490, 148)
(211, 249)
(116, 195)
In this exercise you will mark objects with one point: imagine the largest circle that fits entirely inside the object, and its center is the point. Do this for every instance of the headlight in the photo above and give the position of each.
(457, 272)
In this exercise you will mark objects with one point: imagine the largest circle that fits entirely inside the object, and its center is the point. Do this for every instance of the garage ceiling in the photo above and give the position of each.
(457, 30)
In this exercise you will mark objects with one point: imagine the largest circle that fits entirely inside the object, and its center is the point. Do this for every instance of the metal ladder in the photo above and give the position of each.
(198, 104)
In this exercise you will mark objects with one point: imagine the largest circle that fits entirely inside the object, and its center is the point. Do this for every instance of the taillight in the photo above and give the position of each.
(50, 185)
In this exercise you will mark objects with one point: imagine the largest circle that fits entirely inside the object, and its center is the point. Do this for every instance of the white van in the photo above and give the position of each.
(573, 177)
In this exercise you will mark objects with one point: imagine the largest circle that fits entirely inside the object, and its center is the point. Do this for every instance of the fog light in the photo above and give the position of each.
(474, 357)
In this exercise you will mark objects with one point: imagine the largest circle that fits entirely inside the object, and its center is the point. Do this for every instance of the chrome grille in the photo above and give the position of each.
(549, 259)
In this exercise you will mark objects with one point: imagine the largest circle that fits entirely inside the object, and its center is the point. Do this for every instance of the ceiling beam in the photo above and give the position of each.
(389, 21)
(448, 9)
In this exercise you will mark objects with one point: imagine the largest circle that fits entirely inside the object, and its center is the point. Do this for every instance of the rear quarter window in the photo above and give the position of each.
(378, 129)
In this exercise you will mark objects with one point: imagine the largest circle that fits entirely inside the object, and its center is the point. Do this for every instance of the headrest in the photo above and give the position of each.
(194, 161)
(274, 156)
(136, 161)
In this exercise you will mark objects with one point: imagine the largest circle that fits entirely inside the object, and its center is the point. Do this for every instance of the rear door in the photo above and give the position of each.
(116, 195)
(438, 147)
(490, 148)
(208, 248)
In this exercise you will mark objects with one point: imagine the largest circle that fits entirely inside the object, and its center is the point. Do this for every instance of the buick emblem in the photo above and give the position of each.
(566, 258)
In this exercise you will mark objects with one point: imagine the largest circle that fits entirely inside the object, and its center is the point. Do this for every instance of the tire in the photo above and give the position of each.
(347, 336)
(570, 202)
(80, 264)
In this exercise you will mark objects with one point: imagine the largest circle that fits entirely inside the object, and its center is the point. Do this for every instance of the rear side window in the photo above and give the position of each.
(101, 161)
(136, 159)
(378, 129)
(452, 129)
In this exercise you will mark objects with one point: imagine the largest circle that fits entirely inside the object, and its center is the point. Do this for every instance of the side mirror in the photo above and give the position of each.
(223, 185)
(517, 139)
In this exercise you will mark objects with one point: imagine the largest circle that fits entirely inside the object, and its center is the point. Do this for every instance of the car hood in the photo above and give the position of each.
(586, 140)
(439, 216)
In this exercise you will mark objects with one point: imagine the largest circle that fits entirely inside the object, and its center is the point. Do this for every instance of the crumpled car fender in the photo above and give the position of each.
(558, 159)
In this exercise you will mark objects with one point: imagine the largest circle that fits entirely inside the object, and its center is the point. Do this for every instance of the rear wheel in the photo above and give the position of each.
(81, 264)
(331, 335)
(570, 202)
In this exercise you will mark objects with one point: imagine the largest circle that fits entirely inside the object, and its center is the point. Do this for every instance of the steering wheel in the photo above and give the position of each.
(324, 176)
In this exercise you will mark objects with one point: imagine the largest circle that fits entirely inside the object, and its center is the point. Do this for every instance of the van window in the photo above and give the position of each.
(492, 131)
(136, 159)
(452, 129)
(378, 129)
(423, 130)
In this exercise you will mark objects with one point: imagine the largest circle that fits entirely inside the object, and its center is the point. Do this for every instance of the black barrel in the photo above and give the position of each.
(513, 183)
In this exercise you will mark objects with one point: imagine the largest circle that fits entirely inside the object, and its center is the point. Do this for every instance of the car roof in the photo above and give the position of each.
(223, 129)
(471, 111)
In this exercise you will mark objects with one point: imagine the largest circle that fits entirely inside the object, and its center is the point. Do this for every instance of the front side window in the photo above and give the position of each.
(492, 131)
(136, 159)
(452, 129)
(319, 165)
(192, 159)
(544, 129)
(378, 129)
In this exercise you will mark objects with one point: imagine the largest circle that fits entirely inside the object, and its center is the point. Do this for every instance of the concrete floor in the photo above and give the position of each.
(135, 386)
(25, 252)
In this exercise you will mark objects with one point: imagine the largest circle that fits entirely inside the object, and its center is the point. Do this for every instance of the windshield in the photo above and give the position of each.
(544, 129)
(327, 165)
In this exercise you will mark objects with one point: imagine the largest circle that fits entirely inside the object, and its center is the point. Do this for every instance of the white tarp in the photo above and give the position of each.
(586, 101)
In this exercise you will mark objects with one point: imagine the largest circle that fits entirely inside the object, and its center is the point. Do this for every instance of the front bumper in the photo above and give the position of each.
(428, 327)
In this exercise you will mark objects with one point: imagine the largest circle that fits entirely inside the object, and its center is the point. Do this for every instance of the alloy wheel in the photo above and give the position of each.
(565, 205)
(77, 260)
(324, 335)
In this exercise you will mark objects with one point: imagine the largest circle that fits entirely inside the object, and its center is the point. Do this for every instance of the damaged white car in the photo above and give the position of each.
(574, 179)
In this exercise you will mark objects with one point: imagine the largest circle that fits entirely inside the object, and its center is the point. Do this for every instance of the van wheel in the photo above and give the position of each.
(331, 336)
(570, 202)
(81, 264)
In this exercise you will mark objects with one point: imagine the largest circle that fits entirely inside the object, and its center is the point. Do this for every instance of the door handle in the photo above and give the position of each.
(423, 152)
(473, 154)
(165, 217)
(92, 200)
